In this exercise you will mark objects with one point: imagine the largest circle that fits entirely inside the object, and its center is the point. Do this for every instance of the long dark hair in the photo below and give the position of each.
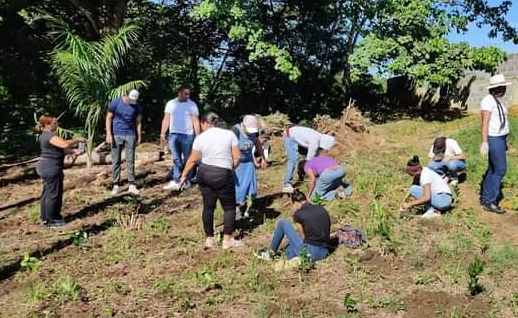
(414, 168)
(298, 196)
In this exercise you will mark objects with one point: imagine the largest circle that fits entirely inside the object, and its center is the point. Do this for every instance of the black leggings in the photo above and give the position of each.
(52, 197)
(217, 183)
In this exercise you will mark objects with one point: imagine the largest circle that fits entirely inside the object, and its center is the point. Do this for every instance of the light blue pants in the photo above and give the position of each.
(440, 201)
(452, 166)
(292, 152)
(327, 183)
(245, 180)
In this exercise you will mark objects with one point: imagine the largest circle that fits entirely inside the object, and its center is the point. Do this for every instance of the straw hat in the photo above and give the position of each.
(497, 81)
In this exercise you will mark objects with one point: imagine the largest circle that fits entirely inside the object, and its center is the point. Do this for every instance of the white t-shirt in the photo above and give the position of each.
(215, 145)
(488, 103)
(438, 184)
(452, 149)
(181, 116)
(307, 138)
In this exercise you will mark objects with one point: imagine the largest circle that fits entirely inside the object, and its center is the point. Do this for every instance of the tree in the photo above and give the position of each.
(87, 72)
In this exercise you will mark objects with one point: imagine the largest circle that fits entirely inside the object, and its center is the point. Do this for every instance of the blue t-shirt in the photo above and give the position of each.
(246, 143)
(124, 117)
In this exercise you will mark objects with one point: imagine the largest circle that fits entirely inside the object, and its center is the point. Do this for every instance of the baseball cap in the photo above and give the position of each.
(327, 142)
(133, 96)
(251, 124)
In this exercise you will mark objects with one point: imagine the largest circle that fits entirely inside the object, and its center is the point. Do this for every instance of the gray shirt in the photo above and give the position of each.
(307, 138)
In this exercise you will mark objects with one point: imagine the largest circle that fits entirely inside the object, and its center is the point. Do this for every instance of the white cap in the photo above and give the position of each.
(497, 81)
(327, 142)
(133, 96)
(251, 124)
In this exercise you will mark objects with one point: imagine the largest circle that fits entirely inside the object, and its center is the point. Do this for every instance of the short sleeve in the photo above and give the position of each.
(194, 110)
(431, 154)
(169, 107)
(197, 144)
(308, 166)
(487, 104)
(425, 178)
(297, 218)
(455, 147)
(113, 106)
(235, 142)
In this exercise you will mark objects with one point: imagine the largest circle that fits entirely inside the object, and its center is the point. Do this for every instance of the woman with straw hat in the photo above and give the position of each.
(495, 128)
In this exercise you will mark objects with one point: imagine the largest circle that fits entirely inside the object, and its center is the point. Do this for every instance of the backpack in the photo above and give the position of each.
(351, 237)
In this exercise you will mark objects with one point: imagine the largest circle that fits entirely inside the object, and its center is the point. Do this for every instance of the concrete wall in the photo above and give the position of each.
(474, 85)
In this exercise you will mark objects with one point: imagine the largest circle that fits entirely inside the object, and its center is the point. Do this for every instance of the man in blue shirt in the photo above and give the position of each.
(124, 130)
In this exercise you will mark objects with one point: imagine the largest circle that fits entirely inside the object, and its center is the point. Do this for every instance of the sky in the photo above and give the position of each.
(479, 36)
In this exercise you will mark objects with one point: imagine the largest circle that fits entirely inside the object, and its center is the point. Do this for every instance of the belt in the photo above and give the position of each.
(445, 193)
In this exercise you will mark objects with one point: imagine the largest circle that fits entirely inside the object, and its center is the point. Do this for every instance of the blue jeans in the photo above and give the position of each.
(329, 181)
(128, 143)
(452, 166)
(295, 243)
(440, 201)
(292, 152)
(180, 146)
(496, 169)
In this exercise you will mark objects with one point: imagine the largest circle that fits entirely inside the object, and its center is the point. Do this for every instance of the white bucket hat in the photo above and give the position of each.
(497, 81)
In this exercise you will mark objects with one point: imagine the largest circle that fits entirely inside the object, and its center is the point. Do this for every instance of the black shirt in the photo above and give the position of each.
(316, 224)
(52, 156)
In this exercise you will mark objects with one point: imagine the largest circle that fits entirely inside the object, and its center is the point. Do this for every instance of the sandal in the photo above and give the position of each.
(231, 244)
(210, 242)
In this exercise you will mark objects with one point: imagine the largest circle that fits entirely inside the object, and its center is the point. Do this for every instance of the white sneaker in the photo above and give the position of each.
(133, 189)
(172, 185)
(287, 189)
(454, 182)
(115, 190)
(431, 214)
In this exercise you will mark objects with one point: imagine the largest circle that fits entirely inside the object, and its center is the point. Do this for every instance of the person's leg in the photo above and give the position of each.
(227, 198)
(498, 164)
(328, 182)
(416, 191)
(292, 152)
(437, 166)
(43, 202)
(130, 143)
(186, 145)
(53, 204)
(60, 196)
(209, 198)
(176, 154)
(245, 182)
(455, 166)
(116, 152)
(295, 243)
(317, 252)
(441, 201)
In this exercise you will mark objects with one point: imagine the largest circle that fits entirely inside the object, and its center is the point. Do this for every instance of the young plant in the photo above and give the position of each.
(305, 260)
(79, 237)
(318, 199)
(474, 271)
(384, 229)
(513, 303)
(29, 262)
(350, 303)
(67, 290)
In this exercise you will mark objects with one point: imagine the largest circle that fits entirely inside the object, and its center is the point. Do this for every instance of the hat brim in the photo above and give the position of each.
(252, 130)
(499, 85)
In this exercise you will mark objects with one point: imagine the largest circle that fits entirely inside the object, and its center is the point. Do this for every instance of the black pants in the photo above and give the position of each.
(52, 197)
(217, 183)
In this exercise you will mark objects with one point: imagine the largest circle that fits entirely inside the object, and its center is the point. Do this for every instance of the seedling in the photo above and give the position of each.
(318, 199)
(79, 237)
(68, 290)
(350, 303)
(513, 303)
(474, 271)
(29, 262)
(305, 260)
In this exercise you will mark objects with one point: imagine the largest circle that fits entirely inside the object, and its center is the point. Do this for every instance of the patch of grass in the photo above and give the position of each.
(388, 302)
(67, 290)
(513, 303)
(455, 244)
(168, 285)
(119, 245)
(156, 229)
(33, 212)
(503, 258)
(38, 292)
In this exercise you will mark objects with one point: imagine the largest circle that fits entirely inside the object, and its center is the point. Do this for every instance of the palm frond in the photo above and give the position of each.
(122, 89)
(112, 48)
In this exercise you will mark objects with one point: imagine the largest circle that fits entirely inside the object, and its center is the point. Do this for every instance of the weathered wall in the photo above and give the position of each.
(475, 83)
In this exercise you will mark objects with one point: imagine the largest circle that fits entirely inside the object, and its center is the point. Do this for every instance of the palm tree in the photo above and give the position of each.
(87, 72)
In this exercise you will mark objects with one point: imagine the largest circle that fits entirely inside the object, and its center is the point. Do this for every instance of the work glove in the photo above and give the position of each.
(484, 149)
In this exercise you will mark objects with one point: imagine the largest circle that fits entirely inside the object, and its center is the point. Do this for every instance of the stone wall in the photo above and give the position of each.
(473, 86)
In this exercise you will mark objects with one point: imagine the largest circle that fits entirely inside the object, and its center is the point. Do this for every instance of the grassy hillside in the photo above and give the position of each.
(155, 266)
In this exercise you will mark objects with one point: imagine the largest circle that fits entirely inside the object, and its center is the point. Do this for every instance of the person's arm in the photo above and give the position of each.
(63, 144)
(460, 156)
(426, 197)
(311, 185)
(109, 119)
(300, 230)
(194, 158)
(165, 127)
(313, 149)
(484, 147)
(236, 155)
(260, 150)
(139, 130)
(196, 124)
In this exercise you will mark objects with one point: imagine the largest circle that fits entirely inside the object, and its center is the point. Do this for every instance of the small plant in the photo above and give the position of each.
(38, 292)
(254, 280)
(34, 213)
(67, 290)
(350, 303)
(474, 271)
(29, 262)
(513, 303)
(305, 260)
(79, 237)
(129, 222)
(318, 199)
(384, 229)
(156, 229)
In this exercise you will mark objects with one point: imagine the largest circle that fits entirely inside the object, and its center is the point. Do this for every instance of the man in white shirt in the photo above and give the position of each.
(495, 128)
(446, 157)
(181, 118)
(304, 137)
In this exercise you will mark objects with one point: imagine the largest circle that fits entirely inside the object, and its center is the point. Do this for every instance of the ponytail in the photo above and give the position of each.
(210, 118)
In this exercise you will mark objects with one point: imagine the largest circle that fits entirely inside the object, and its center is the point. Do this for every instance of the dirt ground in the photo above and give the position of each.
(143, 256)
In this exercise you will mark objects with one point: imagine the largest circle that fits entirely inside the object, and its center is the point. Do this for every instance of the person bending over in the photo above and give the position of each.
(447, 158)
(428, 188)
(326, 178)
(218, 151)
(313, 226)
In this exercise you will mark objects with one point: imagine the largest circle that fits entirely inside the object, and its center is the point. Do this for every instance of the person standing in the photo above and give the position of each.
(304, 137)
(218, 151)
(495, 129)
(124, 130)
(50, 169)
(182, 121)
(247, 133)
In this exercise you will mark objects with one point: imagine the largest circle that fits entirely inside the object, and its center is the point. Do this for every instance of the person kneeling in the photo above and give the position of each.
(428, 188)
(326, 178)
(447, 158)
(313, 230)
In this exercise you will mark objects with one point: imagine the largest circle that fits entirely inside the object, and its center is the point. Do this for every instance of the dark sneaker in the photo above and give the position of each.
(56, 223)
(493, 208)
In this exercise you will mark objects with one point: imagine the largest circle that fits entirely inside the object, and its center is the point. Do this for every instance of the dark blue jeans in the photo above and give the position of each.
(180, 146)
(496, 169)
(295, 242)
